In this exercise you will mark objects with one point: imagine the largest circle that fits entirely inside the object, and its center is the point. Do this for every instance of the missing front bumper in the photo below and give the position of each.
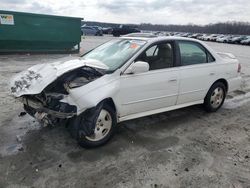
(63, 110)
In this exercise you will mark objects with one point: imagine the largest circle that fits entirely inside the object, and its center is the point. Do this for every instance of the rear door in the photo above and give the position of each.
(197, 71)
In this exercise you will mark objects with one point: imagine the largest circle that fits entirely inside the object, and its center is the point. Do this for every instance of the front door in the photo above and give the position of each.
(155, 89)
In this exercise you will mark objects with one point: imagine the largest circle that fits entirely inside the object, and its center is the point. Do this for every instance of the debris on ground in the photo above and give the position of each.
(186, 169)
(20, 149)
(18, 138)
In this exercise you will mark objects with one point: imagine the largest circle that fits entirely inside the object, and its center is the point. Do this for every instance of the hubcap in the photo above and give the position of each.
(217, 97)
(102, 127)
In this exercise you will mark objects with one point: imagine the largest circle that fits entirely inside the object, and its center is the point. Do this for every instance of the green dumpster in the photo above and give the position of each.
(38, 33)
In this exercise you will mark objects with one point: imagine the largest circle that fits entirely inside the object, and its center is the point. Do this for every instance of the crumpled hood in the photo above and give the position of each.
(38, 77)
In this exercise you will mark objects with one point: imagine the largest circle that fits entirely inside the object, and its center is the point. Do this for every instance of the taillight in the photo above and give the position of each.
(239, 68)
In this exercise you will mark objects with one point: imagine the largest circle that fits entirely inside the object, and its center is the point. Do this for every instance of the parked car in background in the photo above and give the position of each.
(246, 41)
(219, 37)
(123, 79)
(107, 30)
(212, 37)
(236, 39)
(90, 30)
(184, 34)
(206, 37)
(176, 34)
(123, 30)
(224, 39)
(99, 29)
(232, 38)
(196, 35)
(202, 36)
(161, 33)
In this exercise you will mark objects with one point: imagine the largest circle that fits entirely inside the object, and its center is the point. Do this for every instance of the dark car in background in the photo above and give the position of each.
(124, 30)
(107, 30)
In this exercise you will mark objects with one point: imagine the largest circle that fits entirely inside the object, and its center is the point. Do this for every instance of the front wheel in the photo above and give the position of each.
(215, 97)
(105, 125)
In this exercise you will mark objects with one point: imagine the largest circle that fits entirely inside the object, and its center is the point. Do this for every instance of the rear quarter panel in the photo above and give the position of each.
(227, 68)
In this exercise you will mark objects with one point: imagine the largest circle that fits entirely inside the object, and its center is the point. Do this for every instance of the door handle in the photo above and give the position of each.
(212, 73)
(172, 80)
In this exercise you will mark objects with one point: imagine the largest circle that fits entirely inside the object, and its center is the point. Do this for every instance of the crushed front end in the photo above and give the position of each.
(54, 103)
(47, 107)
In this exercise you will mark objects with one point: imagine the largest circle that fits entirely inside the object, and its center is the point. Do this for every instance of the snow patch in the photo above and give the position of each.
(14, 134)
(237, 101)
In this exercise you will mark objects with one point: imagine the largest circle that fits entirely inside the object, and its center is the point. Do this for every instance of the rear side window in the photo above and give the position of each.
(193, 53)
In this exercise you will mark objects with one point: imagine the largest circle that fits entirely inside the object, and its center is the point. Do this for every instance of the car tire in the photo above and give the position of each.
(105, 126)
(215, 97)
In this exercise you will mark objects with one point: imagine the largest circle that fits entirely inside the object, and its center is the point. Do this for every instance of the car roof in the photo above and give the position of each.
(157, 38)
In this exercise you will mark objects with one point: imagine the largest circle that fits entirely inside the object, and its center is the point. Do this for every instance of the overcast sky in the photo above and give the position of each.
(139, 11)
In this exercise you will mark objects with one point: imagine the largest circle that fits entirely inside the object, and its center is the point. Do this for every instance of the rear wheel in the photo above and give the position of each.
(104, 129)
(215, 97)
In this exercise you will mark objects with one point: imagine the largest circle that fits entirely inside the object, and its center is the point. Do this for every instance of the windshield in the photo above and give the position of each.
(115, 52)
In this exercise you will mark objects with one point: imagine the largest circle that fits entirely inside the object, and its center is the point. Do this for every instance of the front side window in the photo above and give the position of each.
(192, 53)
(158, 56)
(115, 52)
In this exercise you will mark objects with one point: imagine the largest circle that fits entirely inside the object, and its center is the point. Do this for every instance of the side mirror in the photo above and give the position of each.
(138, 67)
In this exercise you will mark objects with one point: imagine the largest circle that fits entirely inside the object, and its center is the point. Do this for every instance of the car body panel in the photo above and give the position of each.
(91, 94)
(148, 91)
(194, 80)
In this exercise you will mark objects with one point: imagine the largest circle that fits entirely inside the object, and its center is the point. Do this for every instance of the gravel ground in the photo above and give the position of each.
(182, 148)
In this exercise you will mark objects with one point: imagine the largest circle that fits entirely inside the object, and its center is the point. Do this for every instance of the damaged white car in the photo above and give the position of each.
(125, 78)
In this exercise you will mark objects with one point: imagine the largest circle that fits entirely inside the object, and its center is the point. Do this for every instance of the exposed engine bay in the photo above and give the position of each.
(73, 79)
(47, 105)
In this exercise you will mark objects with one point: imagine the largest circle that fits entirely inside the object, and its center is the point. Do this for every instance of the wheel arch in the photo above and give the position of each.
(109, 101)
(224, 81)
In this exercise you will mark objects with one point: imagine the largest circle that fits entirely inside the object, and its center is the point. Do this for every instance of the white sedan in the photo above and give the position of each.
(246, 41)
(129, 77)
